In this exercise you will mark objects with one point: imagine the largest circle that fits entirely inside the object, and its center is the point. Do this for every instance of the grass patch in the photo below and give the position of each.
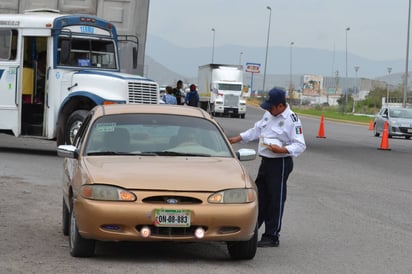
(329, 112)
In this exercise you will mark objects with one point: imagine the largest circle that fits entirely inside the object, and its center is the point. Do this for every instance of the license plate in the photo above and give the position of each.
(172, 218)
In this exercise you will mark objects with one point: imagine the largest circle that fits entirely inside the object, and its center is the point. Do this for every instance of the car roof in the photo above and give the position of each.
(151, 109)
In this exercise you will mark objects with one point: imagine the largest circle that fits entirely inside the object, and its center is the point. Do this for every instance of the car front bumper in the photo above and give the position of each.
(124, 221)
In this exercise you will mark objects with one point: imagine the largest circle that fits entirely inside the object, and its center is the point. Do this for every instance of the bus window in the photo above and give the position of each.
(64, 51)
(8, 44)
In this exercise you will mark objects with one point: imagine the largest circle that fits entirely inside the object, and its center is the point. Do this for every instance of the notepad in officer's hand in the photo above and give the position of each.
(265, 141)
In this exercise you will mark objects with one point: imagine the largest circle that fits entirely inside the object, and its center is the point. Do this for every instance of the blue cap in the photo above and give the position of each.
(275, 97)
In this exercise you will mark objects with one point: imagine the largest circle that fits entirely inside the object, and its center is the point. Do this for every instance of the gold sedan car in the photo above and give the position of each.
(156, 173)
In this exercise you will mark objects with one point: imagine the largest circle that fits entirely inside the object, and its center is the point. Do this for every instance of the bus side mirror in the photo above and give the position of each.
(65, 51)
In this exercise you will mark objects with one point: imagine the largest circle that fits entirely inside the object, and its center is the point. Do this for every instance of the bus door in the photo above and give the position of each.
(9, 86)
(33, 94)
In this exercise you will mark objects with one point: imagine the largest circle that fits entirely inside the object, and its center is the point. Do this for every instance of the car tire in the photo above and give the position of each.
(244, 250)
(375, 131)
(73, 124)
(242, 116)
(65, 219)
(79, 246)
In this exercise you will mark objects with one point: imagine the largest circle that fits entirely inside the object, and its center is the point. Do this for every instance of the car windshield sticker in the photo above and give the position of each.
(105, 127)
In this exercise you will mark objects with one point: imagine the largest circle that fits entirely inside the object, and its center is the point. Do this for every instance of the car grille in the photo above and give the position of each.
(141, 92)
(171, 231)
(231, 100)
(176, 200)
(405, 130)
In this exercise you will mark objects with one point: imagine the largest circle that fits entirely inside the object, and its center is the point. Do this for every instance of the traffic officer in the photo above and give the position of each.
(280, 137)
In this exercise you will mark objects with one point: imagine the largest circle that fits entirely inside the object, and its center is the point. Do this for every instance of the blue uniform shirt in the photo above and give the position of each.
(170, 99)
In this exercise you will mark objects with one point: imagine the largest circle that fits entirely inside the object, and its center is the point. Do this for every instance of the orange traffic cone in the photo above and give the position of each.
(371, 125)
(384, 141)
(321, 132)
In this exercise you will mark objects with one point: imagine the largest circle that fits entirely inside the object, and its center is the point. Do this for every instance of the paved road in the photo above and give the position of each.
(348, 211)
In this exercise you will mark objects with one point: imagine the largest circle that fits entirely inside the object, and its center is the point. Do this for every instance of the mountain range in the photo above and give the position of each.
(167, 63)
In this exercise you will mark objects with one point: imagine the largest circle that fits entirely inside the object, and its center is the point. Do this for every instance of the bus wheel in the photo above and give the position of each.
(73, 125)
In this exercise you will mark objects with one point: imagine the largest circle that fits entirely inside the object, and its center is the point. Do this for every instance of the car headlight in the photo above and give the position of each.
(233, 196)
(106, 193)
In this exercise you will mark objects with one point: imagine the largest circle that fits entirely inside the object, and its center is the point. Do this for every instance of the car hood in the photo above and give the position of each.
(403, 121)
(167, 173)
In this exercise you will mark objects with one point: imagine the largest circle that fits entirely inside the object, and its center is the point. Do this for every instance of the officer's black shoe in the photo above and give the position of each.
(268, 241)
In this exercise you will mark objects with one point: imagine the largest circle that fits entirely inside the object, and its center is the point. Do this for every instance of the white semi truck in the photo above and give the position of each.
(220, 89)
(80, 53)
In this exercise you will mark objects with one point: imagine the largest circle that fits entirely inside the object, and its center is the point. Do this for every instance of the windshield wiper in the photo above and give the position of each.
(175, 153)
(95, 153)
(148, 153)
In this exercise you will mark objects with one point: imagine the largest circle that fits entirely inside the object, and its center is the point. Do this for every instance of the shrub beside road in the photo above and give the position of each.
(331, 113)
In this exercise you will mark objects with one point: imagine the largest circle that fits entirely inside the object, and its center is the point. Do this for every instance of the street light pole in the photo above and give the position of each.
(405, 83)
(357, 91)
(240, 57)
(213, 45)
(387, 86)
(267, 46)
(346, 60)
(290, 78)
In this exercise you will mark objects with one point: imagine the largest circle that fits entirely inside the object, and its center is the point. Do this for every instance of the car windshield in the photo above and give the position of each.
(155, 135)
(401, 113)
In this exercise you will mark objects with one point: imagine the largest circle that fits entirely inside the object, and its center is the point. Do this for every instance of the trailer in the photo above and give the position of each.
(221, 89)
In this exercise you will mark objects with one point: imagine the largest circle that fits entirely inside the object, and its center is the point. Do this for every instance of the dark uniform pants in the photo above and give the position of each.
(271, 183)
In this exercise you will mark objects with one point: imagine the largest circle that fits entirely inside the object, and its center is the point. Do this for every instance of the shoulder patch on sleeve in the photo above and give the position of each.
(298, 130)
(294, 117)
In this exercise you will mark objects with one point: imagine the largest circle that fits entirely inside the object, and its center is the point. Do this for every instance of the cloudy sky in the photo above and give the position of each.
(378, 28)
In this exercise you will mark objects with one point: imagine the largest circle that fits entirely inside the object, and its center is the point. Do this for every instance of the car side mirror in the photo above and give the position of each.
(246, 154)
(67, 151)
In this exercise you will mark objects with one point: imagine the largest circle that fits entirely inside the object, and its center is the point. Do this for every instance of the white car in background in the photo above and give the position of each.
(399, 122)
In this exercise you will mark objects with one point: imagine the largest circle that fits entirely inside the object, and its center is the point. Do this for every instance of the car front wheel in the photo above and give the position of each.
(79, 246)
(245, 250)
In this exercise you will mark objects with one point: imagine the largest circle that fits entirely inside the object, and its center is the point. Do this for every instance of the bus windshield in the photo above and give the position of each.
(86, 52)
(231, 87)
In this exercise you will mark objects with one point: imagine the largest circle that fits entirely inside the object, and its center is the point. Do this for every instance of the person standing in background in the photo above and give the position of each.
(169, 98)
(192, 97)
(179, 93)
(280, 137)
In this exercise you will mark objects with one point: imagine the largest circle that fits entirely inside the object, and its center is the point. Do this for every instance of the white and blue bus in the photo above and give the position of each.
(55, 67)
